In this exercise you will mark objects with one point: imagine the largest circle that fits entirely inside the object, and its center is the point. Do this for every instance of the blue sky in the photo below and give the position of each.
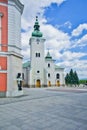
(64, 25)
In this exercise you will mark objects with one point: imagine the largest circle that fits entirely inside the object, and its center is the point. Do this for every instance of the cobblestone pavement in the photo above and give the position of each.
(45, 109)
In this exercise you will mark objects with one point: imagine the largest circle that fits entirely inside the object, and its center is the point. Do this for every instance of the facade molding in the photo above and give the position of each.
(18, 3)
(15, 54)
(3, 71)
(11, 53)
(3, 4)
(11, 46)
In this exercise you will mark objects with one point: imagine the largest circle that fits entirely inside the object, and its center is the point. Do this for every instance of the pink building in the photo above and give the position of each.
(10, 46)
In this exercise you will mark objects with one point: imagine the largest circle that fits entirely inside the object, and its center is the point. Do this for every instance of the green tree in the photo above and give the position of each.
(67, 79)
(71, 74)
(72, 78)
(76, 79)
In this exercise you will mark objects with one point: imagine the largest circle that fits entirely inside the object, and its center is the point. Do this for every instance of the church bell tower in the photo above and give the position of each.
(37, 56)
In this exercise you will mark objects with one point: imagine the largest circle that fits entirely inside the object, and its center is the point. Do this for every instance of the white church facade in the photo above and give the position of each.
(41, 71)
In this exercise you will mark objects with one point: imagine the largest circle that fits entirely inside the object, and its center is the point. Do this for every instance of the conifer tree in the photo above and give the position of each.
(67, 79)
(72, 78)
(71, 74)
(76, 79)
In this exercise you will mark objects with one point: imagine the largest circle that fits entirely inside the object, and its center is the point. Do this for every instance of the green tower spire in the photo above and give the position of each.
(48, 56)
(36, 32)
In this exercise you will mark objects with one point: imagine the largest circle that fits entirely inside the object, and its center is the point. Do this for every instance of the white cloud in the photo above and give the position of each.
(80, 66)
(26, 54)
(72, 60)
(72, 55)
(79, 29)
(83, 40)
(34, 7)
(66, 55)
(66, 24)
(55, 38)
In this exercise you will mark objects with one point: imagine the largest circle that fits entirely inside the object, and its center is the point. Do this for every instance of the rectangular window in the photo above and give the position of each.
(48, 74)
(48, 65)
(37, 54)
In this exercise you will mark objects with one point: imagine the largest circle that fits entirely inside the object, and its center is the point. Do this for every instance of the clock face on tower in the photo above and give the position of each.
(38, 40)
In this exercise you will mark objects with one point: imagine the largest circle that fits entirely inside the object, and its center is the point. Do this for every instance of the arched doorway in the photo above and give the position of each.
(58, 83)
(49, 83)
(38, 83)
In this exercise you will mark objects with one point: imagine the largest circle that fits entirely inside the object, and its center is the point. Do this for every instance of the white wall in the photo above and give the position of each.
(37, 63)
(26, 72)
(14, 28)
(61, 72)
(14, 67)
(50, 70)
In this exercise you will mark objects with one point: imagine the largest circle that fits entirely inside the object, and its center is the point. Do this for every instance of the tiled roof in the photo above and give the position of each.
(26, 64)
(58, 67)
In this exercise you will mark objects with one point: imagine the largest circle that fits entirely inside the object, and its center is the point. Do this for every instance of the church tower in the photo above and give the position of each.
(37, 57)
(10, 46)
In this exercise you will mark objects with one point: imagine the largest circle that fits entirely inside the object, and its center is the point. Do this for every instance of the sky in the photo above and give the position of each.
(64, 26)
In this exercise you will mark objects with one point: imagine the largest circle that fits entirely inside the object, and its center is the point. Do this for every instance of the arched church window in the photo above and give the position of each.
(48, 65)
(57, 76)
(49, 75)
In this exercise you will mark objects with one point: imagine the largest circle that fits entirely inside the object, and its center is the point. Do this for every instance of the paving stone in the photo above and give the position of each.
(45, 109)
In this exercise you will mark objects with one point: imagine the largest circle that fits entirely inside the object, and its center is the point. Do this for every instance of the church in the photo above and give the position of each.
(41, 70)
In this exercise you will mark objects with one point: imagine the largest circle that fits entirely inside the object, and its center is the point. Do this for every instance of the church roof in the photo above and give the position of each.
(26, 64)
(58, 67)
(36, 32)
(48, 56)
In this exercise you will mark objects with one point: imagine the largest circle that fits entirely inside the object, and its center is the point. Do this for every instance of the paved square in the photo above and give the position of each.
(45, 109)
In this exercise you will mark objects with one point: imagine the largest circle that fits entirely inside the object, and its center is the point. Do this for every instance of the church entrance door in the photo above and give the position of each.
(49, 83)
(38, 83)
(58, 83)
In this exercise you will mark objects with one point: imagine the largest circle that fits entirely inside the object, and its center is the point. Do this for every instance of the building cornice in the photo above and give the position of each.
(19, 4)
(11, 53)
